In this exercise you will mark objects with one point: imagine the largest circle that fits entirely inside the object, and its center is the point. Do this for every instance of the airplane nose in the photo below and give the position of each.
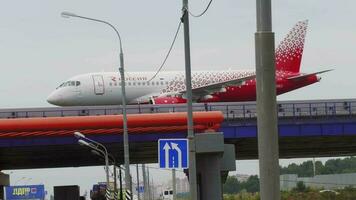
(53, 99)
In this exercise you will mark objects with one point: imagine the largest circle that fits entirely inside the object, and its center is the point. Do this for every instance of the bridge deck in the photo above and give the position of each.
(239, 110)
(306, 128)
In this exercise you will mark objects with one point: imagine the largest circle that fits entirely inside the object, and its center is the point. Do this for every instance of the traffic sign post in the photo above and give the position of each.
(173, 153)
(214, 160)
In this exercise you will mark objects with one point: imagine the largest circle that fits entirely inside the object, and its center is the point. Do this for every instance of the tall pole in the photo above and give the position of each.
(124, 115)
(148, 184)
(144, 182)
(113, 160)
(103, 152)
(138, 182)
(120, 174)
(188, 82)
(174, 185)
(266, 103)
(123, 97)
(152, 190)
(314, 171)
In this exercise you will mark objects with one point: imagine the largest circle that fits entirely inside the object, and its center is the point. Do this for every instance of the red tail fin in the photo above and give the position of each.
(290, 50)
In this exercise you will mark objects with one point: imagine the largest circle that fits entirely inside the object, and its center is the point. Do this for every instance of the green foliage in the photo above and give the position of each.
(346, 194)
(332, 166)
(242, 196)
(233, 186)
(300, 187)
(252, 184)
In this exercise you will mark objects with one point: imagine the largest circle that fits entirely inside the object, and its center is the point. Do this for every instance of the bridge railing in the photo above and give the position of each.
(234, 110)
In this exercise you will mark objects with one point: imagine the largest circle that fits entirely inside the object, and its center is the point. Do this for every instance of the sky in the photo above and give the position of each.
(39, 49)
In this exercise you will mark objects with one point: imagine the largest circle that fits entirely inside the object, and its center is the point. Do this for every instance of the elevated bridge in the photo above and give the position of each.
(311, 128)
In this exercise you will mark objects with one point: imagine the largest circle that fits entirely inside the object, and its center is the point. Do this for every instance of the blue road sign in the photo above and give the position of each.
(140, 190)
(32, 192)
(173, 153)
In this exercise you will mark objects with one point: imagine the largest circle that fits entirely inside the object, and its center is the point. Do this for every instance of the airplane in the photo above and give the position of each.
(104, 88)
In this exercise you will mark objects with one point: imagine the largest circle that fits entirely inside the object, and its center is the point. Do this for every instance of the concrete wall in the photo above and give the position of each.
(330, 181)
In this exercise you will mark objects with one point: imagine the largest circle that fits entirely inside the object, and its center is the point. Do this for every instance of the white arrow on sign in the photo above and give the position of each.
(175, 147)
(166, 151)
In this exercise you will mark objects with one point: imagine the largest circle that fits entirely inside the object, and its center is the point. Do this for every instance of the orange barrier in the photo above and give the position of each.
(108, 124)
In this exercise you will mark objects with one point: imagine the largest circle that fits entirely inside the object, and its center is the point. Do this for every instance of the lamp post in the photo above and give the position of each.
(94, 145)
(123, 97)
(113, 161)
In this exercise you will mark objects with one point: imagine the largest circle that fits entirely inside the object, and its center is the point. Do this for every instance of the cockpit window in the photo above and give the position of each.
(60, 85)
(69, 83)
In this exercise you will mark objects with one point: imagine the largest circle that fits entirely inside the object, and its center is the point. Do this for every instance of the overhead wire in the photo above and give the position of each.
(201, 14)
(175, 37)
(168, 53)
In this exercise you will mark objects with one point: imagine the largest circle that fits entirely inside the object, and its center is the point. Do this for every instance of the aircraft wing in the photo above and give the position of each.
(199, 92)
(301, 76)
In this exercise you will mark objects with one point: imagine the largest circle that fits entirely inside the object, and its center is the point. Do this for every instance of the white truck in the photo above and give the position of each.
(167, 194)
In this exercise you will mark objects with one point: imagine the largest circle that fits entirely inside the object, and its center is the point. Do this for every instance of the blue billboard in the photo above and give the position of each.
(25, 192)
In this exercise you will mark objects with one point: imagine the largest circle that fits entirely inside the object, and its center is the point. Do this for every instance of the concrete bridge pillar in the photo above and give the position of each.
(214, 160)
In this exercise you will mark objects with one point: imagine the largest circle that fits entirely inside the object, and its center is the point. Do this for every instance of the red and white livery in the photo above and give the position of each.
(169, 87)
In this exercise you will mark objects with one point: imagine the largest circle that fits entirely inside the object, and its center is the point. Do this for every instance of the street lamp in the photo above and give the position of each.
(90, 144)
(113, 161)
(123, 96)
(79, 135)
(84, 143)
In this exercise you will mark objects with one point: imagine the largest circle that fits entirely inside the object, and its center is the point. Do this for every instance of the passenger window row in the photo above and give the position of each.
(129, 83)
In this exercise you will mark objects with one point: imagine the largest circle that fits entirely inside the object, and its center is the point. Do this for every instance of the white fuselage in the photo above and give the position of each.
(105, 88)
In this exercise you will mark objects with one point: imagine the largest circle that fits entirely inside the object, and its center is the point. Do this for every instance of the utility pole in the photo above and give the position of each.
(174, 184)
(144, 182)
(148, 184)
(120, 175)
(152, 190)
(138, 182)
(188, 83)
(314, 170)
(266, 103)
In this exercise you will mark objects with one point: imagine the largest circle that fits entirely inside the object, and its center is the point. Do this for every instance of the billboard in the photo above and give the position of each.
(25, 192)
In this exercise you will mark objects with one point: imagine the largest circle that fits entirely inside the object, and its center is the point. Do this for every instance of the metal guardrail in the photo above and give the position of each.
(234, 110)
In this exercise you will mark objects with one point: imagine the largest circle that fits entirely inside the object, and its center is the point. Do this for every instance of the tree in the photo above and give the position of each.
(332, 166)
(252, 184)
(300, 187)
(231, 186)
